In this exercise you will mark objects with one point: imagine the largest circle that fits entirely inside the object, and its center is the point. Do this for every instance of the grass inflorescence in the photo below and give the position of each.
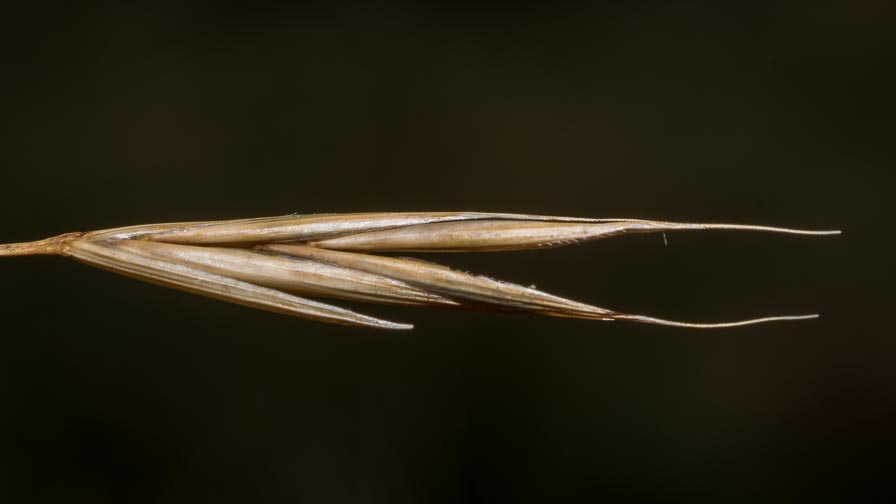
(273, 263)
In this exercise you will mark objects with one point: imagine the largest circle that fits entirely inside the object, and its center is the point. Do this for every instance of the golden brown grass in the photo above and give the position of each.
(264, 263)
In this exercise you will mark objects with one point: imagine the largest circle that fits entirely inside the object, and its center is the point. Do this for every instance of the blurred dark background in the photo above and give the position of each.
(112, 390)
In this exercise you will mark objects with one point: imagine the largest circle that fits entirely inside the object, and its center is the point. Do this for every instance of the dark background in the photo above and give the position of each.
(116, 391)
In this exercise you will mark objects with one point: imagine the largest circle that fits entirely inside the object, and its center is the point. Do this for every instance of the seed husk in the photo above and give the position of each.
(182, 277)
(290, 274)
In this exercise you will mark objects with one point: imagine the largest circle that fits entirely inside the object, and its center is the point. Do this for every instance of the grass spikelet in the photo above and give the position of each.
(264, 263)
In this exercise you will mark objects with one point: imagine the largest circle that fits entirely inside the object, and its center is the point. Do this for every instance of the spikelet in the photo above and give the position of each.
(268, 263)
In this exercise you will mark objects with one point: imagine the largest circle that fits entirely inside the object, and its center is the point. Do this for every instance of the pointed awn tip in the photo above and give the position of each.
(720, 325)
(772, 229)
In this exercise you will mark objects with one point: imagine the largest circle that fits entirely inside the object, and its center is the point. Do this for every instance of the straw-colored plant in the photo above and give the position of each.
(264, 263)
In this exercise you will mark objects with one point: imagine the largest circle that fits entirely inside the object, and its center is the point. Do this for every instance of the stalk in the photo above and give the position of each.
(57, 245)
